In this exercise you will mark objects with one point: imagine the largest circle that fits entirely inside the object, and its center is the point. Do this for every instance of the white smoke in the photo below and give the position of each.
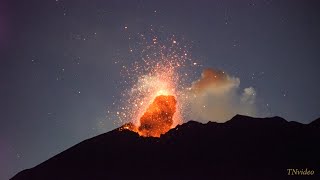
(216, 97)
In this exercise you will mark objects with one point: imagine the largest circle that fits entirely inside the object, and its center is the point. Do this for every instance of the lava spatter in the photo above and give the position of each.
(158, 118)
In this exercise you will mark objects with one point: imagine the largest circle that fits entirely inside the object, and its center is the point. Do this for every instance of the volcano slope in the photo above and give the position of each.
(242, 148)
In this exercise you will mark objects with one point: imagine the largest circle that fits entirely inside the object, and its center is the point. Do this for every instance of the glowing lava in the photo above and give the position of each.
(158, 118)
(156, 86)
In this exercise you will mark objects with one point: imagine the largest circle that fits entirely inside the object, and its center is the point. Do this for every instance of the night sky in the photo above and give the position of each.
(58, 76)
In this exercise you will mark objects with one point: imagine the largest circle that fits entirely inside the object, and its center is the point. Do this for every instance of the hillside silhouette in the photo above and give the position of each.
(242, 148)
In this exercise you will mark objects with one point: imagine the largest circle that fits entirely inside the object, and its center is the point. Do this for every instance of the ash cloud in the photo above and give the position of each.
(216, 96)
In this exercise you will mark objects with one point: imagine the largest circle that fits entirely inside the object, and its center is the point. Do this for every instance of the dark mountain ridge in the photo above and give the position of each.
(242, 148)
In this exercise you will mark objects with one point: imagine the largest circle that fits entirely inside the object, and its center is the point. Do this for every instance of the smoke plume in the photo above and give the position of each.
(216, 97)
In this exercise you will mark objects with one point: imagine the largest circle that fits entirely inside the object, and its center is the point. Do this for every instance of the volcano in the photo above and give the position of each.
(242, 148)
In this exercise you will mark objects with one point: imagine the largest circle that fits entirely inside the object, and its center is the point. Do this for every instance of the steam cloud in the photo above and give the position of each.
(216, 97)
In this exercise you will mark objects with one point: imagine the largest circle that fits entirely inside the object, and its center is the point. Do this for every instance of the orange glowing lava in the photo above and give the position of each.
(154, 104)
(158, 118)
(155, 98)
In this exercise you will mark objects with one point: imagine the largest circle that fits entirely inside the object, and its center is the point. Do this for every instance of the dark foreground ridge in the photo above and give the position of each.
(242, 148)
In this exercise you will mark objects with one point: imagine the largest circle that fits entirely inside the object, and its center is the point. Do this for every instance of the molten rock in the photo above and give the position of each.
(158, 118)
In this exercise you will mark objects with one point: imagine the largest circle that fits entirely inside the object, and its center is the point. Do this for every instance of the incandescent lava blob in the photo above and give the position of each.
(158, 117)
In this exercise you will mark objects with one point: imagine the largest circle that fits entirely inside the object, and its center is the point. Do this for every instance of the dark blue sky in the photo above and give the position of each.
(58, 75)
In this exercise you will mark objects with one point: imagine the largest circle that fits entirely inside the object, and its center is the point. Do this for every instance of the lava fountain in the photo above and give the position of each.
(158, 118)
(156, 85)
(155, 108)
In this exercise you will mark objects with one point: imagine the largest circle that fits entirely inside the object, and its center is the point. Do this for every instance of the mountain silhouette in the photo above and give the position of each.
(241, 148)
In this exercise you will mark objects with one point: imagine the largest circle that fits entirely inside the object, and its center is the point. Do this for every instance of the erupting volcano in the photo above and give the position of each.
(158, 118)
